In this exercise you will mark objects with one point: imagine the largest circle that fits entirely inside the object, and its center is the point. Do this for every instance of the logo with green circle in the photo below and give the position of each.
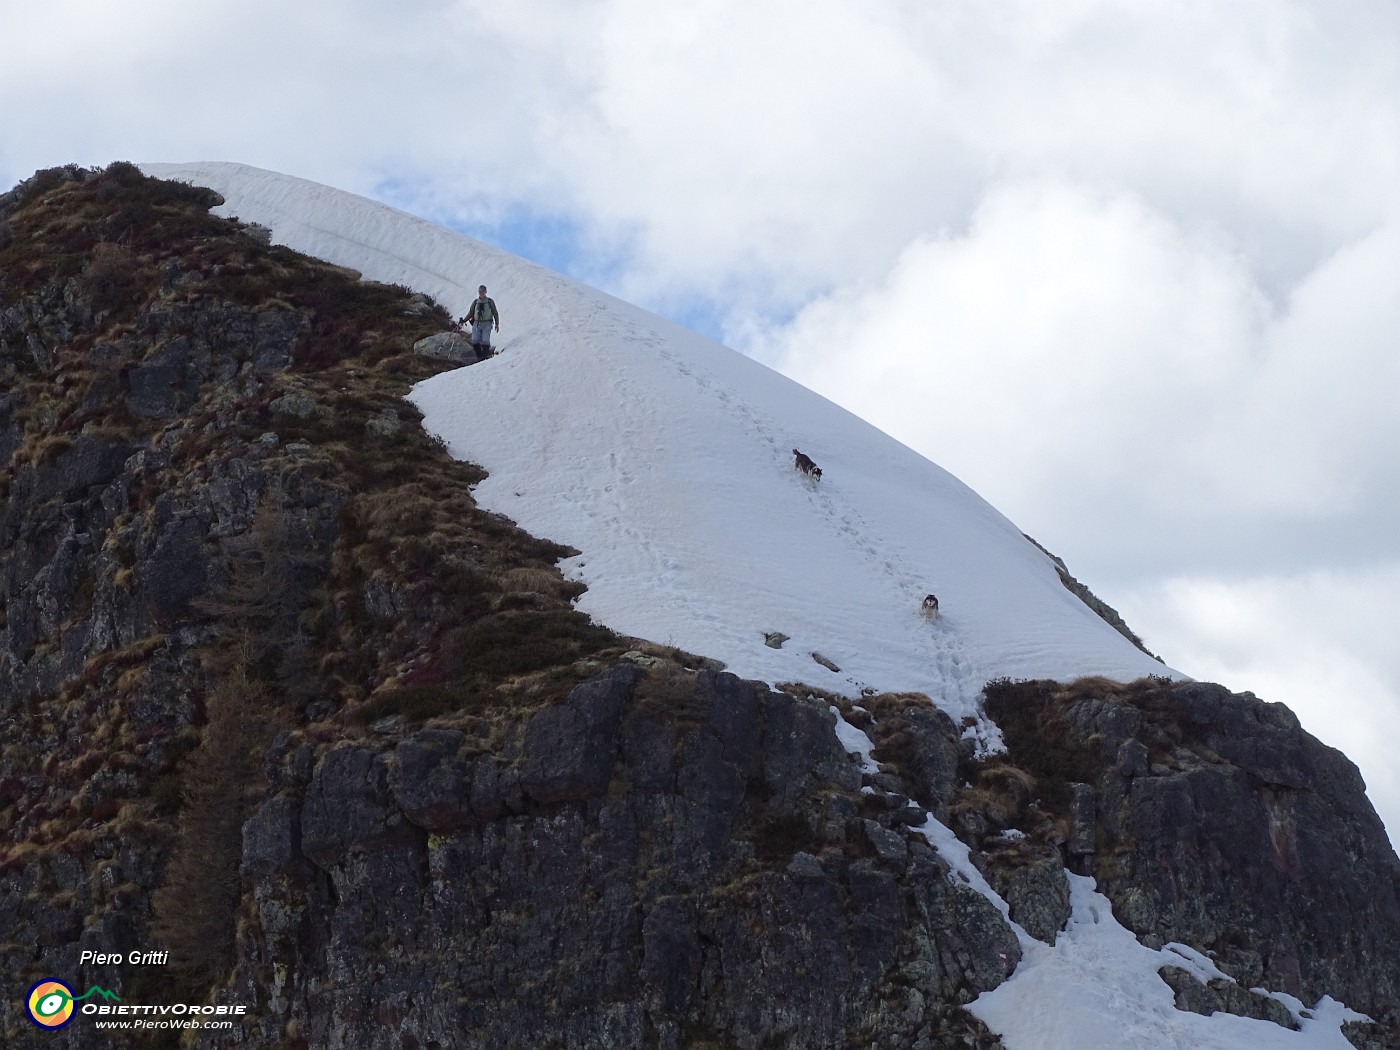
(51, 1004)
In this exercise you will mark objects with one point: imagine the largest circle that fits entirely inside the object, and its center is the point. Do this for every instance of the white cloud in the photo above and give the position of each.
(799, 143)
(1060, 355)
(1324, 397)
(759, 151)
(1095, 369)
(349, 92)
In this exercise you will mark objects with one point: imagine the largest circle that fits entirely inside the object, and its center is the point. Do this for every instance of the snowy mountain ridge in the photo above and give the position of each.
(665, 459)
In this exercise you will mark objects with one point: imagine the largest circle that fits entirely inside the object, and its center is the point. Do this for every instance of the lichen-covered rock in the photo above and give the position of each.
(912, 735)
(272, 837)
(1036, 892)
(294, 404)
(430, 781)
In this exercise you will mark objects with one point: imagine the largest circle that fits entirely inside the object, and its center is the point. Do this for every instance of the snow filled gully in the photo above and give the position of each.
(1098, 987)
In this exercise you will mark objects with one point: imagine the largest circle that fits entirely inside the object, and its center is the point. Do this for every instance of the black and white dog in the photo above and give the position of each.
(930, 606)
(804, 463)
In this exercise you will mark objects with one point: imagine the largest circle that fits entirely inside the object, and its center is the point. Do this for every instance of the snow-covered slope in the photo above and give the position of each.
(665, 458)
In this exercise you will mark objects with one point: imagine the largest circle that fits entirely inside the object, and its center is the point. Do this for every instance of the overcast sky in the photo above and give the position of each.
(1129, 269)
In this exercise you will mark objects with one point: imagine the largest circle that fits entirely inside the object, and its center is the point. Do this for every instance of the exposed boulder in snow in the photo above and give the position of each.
(1208, 997)
(447, 346)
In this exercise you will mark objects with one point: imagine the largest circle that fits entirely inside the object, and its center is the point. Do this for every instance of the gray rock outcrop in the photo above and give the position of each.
(1213, 819)
(619, 880)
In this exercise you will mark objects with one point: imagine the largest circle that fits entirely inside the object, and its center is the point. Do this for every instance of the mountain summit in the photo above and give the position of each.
(304, 737)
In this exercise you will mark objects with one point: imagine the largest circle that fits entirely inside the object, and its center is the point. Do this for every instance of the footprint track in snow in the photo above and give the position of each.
(948, 652)
(954, 681)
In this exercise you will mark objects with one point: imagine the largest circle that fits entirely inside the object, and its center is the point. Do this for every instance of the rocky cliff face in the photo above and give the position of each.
(666, 858)
(1212, 819)
(276, 697)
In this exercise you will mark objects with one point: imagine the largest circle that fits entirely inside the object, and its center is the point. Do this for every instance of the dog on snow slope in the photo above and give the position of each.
(804, 463)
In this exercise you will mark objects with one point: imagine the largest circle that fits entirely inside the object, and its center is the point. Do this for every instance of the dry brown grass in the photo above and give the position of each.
(115, 279)
(1093, 686)
(999, 809)
(532, 578)
(998, 773)
(803, 691)
(1002, 793)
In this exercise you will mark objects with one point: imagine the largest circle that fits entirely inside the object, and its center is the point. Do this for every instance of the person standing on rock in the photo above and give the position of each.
(482, 315)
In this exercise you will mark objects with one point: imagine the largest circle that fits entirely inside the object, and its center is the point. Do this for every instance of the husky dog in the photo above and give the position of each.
(930, 606)
(805, 464)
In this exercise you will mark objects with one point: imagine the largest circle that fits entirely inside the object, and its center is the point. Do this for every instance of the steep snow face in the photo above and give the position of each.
(666, 460)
